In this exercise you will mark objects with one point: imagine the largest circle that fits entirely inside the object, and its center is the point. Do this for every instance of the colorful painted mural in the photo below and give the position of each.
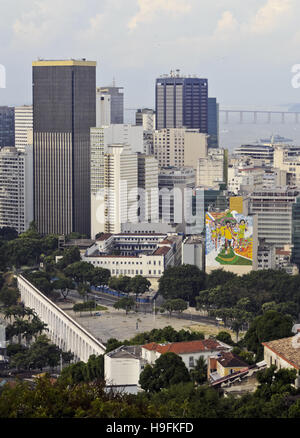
(229, 239)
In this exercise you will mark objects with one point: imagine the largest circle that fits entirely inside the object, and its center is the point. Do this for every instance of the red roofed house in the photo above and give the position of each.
(123, 366)
(189, 352)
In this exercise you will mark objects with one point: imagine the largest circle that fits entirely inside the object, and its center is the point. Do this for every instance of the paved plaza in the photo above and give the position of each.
(116, 324)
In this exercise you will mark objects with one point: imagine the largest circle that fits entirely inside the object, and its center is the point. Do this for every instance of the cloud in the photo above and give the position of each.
(148, 9)
(227, 23)
(45, 21)
(269, 16)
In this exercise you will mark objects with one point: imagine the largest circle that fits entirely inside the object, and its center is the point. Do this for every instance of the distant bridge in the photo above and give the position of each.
(258, 115)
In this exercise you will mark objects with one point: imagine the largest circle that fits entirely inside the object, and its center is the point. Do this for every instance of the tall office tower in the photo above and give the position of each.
(16, 188)
(274, 210)
(120, 187)
(148, 185)
(64, 110)
(7, 126)
(181, 101)
(296, 233)
(211, 170)
(23, 126)
(116, 102)
(213, 123)
(146, 118)
(179, 147)
(103, 109)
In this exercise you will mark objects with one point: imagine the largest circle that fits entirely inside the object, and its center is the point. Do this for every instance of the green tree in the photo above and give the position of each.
(64, 285)
(267, 327)
(168, 370)
(225, 337)
(183, 282)
(199, 373)
(70, 256)
(139, 285)
(176, 305)
(125, 303)
(9, 296)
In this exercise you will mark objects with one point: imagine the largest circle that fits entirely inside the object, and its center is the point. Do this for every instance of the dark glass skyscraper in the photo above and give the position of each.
(64, 110)
(182, 102)
(213, 123)
(7, 126)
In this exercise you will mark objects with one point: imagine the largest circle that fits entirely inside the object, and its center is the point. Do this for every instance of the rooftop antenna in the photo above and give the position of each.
(114, 81)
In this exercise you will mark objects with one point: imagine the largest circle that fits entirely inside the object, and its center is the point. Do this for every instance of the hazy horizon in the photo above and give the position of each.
(246, 53)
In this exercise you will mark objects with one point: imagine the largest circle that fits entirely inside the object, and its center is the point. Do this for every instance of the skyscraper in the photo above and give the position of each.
(181, 102)
(23, 126)
(16, 188)
(64, 110)
(213, 123)
(116, 102)
(7, 126)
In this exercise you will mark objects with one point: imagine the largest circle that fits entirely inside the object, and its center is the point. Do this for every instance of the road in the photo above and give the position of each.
(109, 301)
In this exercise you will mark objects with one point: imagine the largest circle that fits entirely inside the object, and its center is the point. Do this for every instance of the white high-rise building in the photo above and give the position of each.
(273, 208)
(103, 109)
(146, 118)
(211, 169)
(118, 144)
(16, 188)
(23, 126)
(148, 185)
(179, 147)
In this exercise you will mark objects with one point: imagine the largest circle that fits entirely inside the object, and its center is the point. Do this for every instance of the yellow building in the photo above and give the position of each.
(224, 364)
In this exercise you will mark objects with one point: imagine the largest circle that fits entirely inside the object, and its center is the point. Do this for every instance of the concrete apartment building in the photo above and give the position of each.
(287, 158)
(211, 171)
(273, 208)
(23, 126)
(145, 117)
(179, 147)
(16, 188)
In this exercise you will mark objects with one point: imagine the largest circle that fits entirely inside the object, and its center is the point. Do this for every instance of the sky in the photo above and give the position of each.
(246, 49)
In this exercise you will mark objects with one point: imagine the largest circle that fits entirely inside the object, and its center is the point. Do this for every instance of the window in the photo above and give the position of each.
(191, 361)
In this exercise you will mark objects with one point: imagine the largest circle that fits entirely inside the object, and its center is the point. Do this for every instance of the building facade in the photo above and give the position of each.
(179, 147)
(181, 102)
(213, 123)
(23, 126)
(211, 170)
(16, 188)
(116, 100)
(64, 110)
(273, 208)
(7, 126)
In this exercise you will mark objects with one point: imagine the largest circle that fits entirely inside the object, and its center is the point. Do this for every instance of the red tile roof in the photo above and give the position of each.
(185, 347)
(228, 359)
(163, 250)
(104, 236)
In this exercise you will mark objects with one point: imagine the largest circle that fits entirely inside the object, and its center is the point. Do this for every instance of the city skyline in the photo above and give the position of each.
(221, 42)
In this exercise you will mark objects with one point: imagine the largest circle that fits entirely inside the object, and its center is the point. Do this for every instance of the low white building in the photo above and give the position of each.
(189, 351)
(138, 254)
(123, 366)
